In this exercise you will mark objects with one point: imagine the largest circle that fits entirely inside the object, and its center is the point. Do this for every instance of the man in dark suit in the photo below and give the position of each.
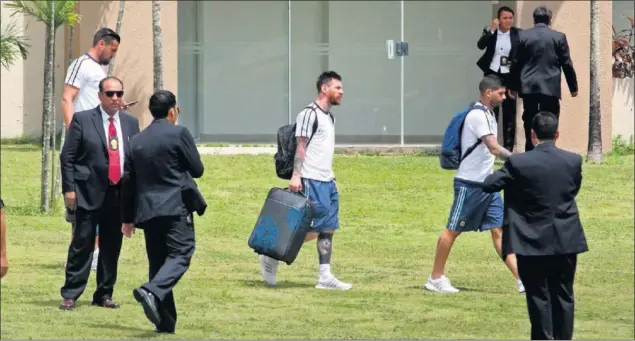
(500, 41)
(159, 196)
(537, 63)
(92, 162)
(542, 226)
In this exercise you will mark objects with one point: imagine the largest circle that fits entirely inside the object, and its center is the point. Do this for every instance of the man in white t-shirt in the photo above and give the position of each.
(84, 74)
(313, 176)
(473, 209)
(81, 87)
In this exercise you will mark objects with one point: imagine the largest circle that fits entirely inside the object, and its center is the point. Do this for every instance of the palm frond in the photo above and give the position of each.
(40, 10)
(12, 44)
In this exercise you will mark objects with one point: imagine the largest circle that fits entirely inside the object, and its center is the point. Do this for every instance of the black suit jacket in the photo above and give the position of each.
(540, 58)
(541, 214)
(84, 157)
(488, 40)
(157, 182)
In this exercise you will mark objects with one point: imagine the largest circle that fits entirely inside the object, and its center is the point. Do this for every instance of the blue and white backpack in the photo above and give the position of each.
(450, 156)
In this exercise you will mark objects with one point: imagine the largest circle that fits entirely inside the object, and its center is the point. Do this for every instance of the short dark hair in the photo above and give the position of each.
(107, 35)
(545, 125)
(101, 82)
(490, 82)
(542, 15)
(505, 9)
(326, 77)
(161, 102)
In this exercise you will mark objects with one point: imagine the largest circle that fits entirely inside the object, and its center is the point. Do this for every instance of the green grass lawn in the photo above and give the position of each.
(392, 210)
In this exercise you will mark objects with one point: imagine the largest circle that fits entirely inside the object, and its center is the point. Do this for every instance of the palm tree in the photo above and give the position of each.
(52, 14)
(157, 40)
(58, 173)
(122, 4)
(594, 149)
(12, 44)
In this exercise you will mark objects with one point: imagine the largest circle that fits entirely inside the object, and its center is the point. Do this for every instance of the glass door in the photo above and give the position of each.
(441, 76)
(349, 37)
(243, 70)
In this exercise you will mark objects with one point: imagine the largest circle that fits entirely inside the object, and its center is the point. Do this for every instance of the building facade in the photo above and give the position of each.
(242, 69)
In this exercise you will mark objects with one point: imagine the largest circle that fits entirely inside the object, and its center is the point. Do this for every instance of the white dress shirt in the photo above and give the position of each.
(117, 122)
(503, 47)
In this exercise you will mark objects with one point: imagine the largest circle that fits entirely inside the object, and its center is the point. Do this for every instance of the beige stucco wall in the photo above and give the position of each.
(21, 86)
(573, 18)
(134, 63)
(623, 115)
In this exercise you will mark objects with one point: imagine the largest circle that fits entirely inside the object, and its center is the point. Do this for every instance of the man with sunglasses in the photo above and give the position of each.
(80, 88)
(92, 162)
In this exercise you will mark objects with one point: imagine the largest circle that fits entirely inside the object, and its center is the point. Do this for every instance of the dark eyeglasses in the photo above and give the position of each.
(112, 93)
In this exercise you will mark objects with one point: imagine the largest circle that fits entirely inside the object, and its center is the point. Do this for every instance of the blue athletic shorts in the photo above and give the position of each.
(325, 197)
(473, 209)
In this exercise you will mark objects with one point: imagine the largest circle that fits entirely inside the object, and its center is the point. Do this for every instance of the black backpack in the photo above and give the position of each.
(287, 144)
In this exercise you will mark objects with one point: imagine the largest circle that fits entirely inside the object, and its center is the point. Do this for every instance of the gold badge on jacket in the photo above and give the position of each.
(114, 143)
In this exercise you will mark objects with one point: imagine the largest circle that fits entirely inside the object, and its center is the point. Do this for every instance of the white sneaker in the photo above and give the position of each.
(268, 267)
(329, 282)
(441, 285)
(520, 286)
(93, 266)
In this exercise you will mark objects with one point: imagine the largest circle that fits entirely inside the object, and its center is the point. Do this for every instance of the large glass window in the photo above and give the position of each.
(248, 67)
(441, 76)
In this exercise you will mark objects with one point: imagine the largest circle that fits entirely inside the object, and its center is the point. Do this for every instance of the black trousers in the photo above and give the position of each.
(532, 105)
(508, 115)
(548, 282)
(80, 252)
(170, 245)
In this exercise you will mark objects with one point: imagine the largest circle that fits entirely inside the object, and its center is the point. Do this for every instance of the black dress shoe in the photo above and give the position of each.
(107, 303)
(67, 304)
(149, 303)
(164, 331)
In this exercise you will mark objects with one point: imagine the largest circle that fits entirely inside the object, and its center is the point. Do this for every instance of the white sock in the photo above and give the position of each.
(325, 270)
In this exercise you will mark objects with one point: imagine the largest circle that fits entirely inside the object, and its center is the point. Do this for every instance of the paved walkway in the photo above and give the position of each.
(346, 149)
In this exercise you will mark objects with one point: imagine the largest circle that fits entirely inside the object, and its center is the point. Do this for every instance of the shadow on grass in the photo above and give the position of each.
(50, 266)
(52, 303)
(145, 333)
(462, 289)
(281, 285)
(26, 210)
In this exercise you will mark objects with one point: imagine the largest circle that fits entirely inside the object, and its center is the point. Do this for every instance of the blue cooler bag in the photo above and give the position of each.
(284, 221)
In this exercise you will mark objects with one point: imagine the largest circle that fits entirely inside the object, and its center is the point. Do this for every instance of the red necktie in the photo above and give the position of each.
(114, 166)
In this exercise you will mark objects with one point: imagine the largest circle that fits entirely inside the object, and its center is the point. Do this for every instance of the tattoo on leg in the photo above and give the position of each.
(324, 246)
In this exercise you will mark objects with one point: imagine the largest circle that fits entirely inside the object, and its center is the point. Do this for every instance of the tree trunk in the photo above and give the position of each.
(122, 4)
(157, 40)
(71, 41)
(594, 152)
(53, 117)
(47, 104)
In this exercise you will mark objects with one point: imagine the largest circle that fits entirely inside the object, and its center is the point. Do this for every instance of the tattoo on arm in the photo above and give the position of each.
(496, 149)
(299, 155)
(503, 153)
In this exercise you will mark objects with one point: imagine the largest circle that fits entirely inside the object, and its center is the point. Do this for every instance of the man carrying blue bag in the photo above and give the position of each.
(313, 177)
